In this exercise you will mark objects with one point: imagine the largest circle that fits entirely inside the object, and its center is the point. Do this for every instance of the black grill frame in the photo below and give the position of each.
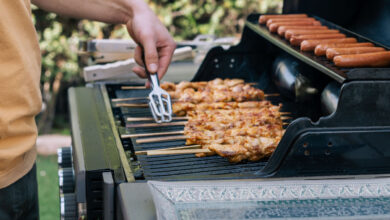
(289, 159)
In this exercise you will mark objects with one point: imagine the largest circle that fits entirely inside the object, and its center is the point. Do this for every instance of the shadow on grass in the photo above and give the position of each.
(47, 169)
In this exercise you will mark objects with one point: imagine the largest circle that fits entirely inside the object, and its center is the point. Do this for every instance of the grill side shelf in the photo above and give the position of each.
(337, 75)
(128, 173)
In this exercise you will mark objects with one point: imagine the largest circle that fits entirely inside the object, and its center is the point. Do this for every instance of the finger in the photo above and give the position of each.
(165, 59)
(147, 84)
(138, 56)
(140, 71)
(151, 55)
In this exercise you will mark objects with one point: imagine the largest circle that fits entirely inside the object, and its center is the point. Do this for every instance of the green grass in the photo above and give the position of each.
(47, 169)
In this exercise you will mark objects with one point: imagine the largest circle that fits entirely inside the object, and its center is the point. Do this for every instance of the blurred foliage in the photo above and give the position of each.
(187, 18)
(59, 37)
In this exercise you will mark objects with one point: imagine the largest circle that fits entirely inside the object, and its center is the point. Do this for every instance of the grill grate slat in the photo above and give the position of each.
(201, 172)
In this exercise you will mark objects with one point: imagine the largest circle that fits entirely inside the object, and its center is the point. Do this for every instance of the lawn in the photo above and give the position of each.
(47, 168)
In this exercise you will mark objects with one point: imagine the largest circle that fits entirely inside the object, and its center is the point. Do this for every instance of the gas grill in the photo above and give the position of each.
(339, 126)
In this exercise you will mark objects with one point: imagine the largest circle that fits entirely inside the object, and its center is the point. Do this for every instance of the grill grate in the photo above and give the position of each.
(186, 166)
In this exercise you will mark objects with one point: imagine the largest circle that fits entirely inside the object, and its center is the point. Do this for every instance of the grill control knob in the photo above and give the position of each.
(66, 180)
(64, 157)
(68, 206)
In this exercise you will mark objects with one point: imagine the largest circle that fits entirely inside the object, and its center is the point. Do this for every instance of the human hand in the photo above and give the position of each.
(152, 37)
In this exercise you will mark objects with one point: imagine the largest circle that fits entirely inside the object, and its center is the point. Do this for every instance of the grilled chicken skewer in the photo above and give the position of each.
(181, 108)
(176, 123)
(217, 90)
(230, 108)
(174, 100)
(235, 149)
(184, 118)
(185, 84)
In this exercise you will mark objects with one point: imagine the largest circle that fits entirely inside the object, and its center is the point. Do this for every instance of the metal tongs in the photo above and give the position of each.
(159, 100)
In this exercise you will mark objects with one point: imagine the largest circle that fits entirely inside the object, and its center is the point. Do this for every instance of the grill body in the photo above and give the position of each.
(347, 142)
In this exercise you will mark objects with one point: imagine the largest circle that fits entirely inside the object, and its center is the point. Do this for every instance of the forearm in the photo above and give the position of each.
(155, 44)
(109, 11)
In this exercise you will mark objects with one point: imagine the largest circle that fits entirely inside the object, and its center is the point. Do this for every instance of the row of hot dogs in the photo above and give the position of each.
(310, 35)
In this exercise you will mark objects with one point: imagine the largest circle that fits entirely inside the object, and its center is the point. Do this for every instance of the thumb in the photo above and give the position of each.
(151, 55)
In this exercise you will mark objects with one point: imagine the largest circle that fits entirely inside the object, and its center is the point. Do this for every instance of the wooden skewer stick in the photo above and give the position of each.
(129, 99)
(132, 105)
(133, 87)
(151, 134)
(132, 119)
(173, 152)
(145, 125)
(158, 139)
(144, 152)
(132, 99)
(271, 94)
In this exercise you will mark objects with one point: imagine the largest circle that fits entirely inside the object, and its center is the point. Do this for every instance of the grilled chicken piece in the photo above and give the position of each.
(233, 82)
(168, 86)
(236, 152)
(181, 108)
(251, 149)
(217, 90)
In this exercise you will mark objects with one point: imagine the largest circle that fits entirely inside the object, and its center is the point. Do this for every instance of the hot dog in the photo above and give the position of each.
(297, 40)
(274, 26)
(320, 49)
(275, 20)
(264, 18)
(290, 33)
(332, 52)
(309, 45)
(377, 59)
(283, 29)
